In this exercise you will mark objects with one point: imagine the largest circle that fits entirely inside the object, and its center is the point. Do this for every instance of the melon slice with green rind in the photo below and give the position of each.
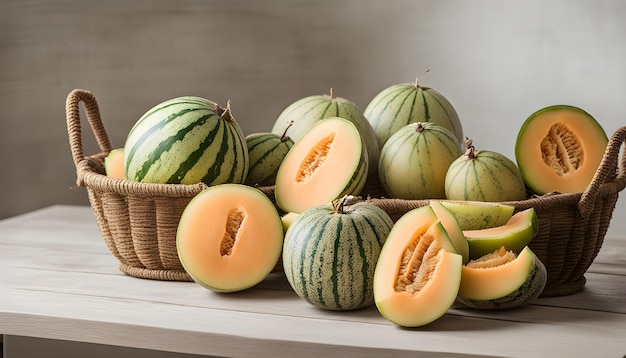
(514, 235)
(476, 215)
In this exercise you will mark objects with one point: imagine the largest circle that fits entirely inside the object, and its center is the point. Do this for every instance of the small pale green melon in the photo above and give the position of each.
(484, 176)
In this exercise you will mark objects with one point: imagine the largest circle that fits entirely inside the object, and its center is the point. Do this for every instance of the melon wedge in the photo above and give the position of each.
(418, 273)
(502, 280)
(229, 237)
(454, 230)
(328, 162)
(514, 235)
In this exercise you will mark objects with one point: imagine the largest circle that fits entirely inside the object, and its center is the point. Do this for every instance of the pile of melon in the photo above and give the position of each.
(338, 251)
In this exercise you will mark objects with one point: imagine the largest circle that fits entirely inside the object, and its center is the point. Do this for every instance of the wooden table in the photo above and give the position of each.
(62, 294)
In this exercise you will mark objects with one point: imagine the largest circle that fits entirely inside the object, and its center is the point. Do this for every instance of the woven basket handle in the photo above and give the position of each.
(72, 110)
(607, 170)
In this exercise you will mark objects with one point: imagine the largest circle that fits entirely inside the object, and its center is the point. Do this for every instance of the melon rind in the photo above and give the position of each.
(476, 215)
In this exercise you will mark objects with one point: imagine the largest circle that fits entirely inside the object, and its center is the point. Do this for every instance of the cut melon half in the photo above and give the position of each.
(229, 237)
(514, 235)
(559, 148)
(418, 272)
(328, 162)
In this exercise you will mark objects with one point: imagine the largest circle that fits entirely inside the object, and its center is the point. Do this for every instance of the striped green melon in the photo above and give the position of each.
(502, 280)
(266, 152)
(330, 253)
(484, 176)
(414, 161)
(186, 140)
(304, 113)
(401, 104)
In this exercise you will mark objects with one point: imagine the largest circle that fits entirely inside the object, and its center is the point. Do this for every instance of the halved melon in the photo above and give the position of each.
(559, 148)
(328, 162)
(514, 235)
(502, 279)
(418, 273)
(476, 215)
(114, 164)
(229, 237)
(454, 230)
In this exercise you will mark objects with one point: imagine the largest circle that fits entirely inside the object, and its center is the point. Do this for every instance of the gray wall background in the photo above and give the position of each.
(496, 61)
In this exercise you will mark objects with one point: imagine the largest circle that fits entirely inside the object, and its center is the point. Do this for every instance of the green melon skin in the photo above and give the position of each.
(300, 116)
(329, 254)
(186, 140)
(477, 215)
(484, 176)
(414, 161)
(266, 152)
(398, 105)
(531, 289)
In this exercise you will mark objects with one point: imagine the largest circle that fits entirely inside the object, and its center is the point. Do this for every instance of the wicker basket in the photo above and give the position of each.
(138, 221)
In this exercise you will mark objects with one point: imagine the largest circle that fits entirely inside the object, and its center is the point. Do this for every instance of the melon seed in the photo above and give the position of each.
(561, 150)
(235, 217)
(315, 158)
(418, 263)
(494, 259)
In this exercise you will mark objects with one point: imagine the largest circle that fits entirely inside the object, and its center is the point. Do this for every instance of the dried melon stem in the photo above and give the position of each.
(497, 258)
(315, 158)
(235, 218)
(418, 263)
(561, 150)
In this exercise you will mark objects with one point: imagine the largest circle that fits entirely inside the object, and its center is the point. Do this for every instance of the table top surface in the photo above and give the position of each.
(59, 281)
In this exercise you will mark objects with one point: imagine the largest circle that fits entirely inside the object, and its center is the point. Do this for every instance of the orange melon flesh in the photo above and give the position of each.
(114, 164)
(581, 131)
(487, 283)
(411, 307)
(319, 166)
(204, 231)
